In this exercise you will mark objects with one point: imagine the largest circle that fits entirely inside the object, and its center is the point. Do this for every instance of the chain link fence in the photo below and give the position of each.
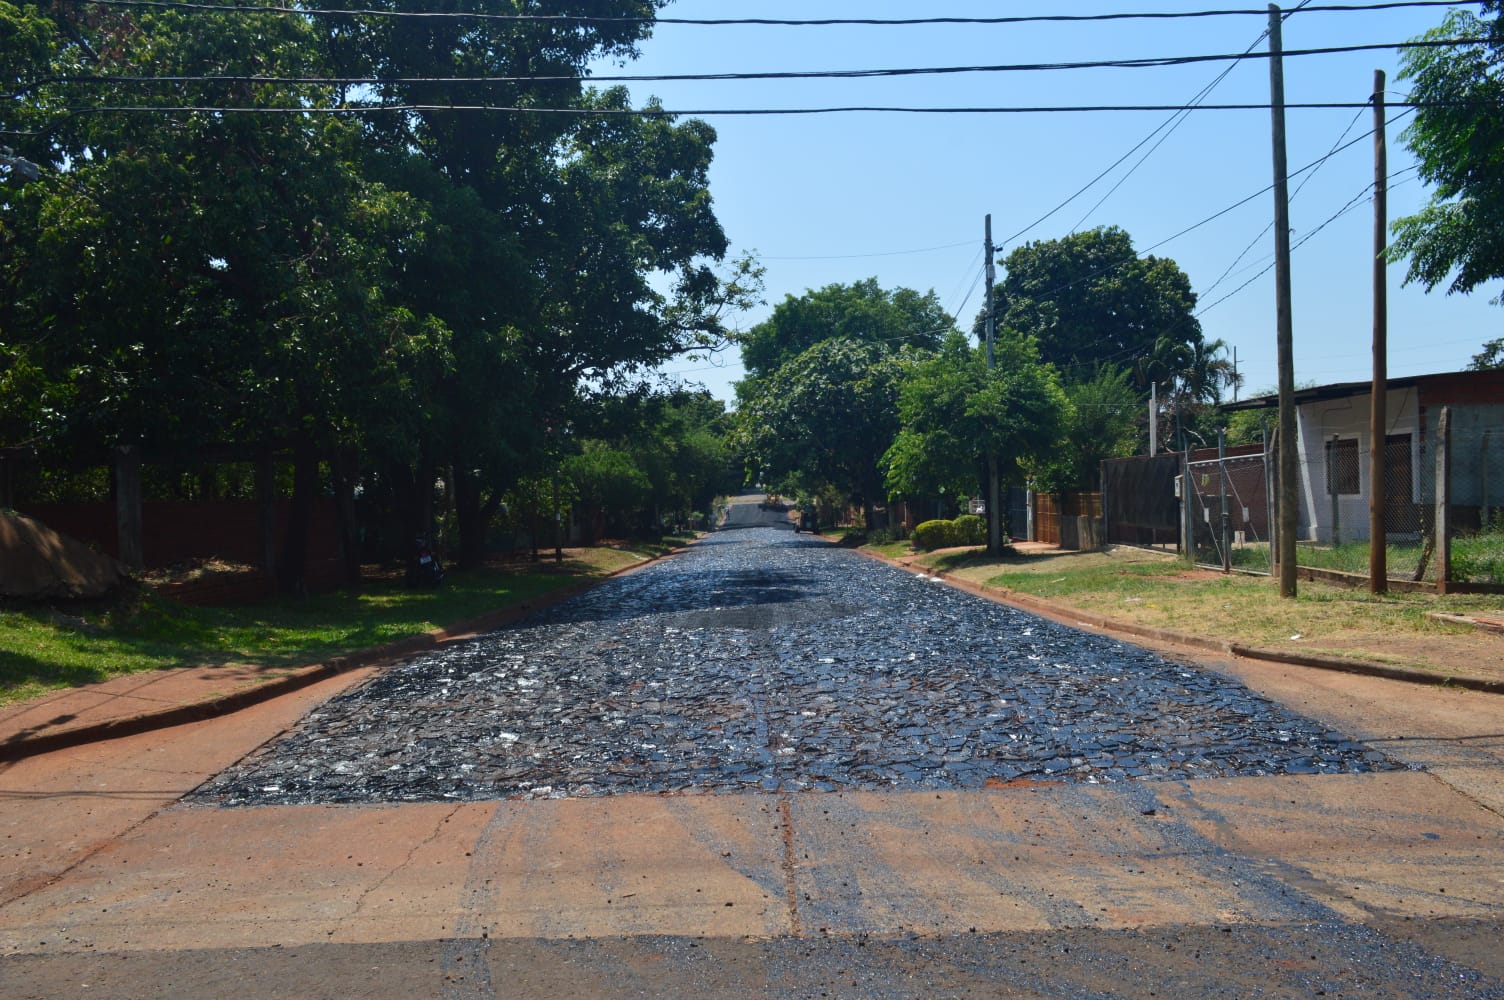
(1468, 487)
(1447, 532)
(1228, 512)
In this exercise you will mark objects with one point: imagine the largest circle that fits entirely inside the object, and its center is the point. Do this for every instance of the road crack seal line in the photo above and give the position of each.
(467, 974)
(790, 866)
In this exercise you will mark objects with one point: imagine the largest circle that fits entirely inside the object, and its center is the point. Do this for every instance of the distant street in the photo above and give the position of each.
(771, 766)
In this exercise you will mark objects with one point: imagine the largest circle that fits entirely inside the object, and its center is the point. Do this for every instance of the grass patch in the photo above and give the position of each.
(1162, 591)
(42, 649)
(1400, 557)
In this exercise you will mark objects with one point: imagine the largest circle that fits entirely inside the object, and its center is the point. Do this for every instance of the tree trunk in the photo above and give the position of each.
(473, 517)
(346, 471)
(128, 522)
(292, 572)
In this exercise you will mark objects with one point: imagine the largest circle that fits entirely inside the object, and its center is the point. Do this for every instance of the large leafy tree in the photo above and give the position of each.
(826, 417)
(412, 294)
(1457, 136)
(863, 312)
(954, 411)
(199, 278)
(1091, 299)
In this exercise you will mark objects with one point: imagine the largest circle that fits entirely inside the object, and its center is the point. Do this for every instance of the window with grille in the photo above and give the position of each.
(1342, 466)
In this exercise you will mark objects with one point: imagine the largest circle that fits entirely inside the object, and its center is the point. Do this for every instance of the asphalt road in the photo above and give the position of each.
(124, 873)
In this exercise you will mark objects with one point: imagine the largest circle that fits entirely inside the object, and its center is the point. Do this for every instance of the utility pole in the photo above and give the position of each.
(1378, 419)
(1289, 466)
(994, 492)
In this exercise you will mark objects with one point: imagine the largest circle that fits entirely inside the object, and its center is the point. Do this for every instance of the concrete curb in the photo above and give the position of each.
(1067, 615)
(298, 678)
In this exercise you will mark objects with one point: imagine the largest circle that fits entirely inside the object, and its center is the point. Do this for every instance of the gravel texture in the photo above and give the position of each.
(760, 660)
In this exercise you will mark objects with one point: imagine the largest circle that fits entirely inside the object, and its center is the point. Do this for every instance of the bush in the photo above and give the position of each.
(887, 536)
(935, 535)
(970, 530)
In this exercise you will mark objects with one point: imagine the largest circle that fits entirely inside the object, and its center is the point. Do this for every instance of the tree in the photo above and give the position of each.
(1090, 299)
(827, 415)
(1102, 422)
(1492, 356)
(1458, 139)
(609, 486)
(953, 411)
(862, 312)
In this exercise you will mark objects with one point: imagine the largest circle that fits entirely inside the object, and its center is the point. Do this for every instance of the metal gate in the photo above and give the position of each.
(1239, 488)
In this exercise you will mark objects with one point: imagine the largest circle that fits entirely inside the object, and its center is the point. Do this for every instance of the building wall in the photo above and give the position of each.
(1319, 423)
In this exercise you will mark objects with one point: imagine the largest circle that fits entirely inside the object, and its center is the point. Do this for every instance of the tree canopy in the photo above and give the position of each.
(862, 312)
(424, 290)
(1457, 137)
(826, 416)
(954, 411)
(1090, 299)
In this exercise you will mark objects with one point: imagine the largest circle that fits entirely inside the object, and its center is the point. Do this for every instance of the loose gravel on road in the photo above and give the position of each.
(761, 660)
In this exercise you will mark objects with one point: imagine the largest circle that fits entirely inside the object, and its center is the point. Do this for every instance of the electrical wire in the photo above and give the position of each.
(576, 20)
(183, 109)
(1293, 195)
(1150, 62)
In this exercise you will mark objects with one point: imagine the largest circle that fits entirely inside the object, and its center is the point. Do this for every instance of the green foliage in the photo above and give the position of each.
(954, 411)
(1090, 299)
(607, 479)
(1458, 138)
(825, 416)
(422, 292)
(970, 530)
(1492, 356)
(1248, 426)
(938, 534)
(1102, 422)
(862, 312)
(1479, 558)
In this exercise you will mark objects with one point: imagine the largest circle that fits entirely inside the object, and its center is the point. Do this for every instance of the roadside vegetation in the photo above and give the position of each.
(44, 648)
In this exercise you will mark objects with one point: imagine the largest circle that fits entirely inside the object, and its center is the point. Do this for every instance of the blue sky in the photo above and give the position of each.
(839, 198)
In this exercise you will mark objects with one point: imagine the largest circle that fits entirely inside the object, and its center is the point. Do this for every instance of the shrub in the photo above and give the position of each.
(970, 530)
(935, 535)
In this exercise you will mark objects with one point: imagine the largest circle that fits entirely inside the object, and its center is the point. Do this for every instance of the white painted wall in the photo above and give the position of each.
(1346, 419)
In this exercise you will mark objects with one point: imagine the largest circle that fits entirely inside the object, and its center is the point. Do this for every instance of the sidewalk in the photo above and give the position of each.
(154, 700)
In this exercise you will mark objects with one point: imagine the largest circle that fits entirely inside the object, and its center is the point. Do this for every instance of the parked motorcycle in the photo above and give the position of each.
(424, 568)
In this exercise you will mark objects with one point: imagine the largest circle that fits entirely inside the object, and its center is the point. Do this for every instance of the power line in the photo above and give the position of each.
(736, 112)
(1365, 195)
(575, 20)
(1336, 146)
(1149, 62)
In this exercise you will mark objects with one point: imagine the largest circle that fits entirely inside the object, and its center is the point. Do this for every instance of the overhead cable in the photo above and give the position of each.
(574, 20)
(370, 109)
(1153, 62)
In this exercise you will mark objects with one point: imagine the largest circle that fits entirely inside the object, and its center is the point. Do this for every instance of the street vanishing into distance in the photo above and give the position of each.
(771, 766)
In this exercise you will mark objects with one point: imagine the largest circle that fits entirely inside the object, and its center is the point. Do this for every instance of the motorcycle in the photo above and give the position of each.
(424, 568)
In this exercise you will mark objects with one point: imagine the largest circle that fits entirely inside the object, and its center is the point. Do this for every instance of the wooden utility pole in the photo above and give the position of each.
(994, 492)
(1289, 465)
(1378, 418)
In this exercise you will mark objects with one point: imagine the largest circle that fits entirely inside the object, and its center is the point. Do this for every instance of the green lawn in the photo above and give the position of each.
(42, 649)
